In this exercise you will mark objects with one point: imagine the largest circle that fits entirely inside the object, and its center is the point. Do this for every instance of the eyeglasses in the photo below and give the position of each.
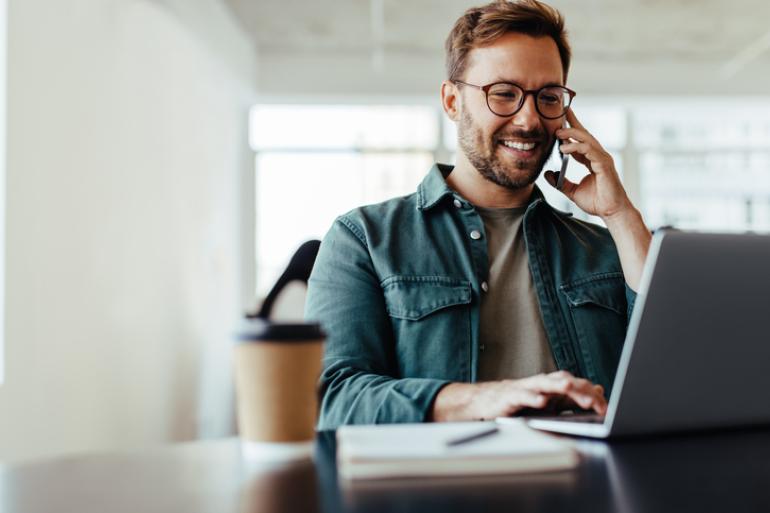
(505, 99)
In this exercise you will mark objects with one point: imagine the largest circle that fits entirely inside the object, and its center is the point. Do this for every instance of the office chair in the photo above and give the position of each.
(297, 272)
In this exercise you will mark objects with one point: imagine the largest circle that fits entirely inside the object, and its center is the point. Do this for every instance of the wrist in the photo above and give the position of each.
(452, 403)
(632, 240)
(625, 216)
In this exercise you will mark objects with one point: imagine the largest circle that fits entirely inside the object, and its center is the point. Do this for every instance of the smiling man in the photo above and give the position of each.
(473, 298)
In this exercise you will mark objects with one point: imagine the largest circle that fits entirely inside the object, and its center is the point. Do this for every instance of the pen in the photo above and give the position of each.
(474, 436)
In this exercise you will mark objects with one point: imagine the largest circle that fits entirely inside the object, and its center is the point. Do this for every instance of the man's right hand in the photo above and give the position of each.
(483, 401)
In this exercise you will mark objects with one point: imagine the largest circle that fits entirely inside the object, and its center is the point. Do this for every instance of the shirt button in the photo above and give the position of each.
(458, 203)
(475, 234)
(484, 286)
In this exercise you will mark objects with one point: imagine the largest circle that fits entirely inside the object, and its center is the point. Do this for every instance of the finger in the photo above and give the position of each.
(583, 160)
(568, 187)
(560, 382)
(584, 401)
(577, 147)
(552, 177)
(560, 374)
(573, 120)
(569, 403)
(584, 148)
(575, 398)
(548, 384)
(572, 134)
(588, 398)
(576, 135)
(531, 398)
(523, 398)
(595, 159)
(583, 392)
(584, 386)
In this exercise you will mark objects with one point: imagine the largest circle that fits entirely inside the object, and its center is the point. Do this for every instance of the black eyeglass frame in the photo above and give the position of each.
(527, 92)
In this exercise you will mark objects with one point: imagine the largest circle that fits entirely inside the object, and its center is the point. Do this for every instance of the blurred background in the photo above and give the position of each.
(164, 158)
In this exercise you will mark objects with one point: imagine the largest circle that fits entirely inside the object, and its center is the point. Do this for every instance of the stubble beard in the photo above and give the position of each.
(482, 154)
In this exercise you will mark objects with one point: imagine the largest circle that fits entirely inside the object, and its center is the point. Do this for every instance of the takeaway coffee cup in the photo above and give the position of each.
(276, 373)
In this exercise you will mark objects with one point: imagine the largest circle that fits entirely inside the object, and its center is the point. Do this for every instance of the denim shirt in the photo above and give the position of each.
(397, 287)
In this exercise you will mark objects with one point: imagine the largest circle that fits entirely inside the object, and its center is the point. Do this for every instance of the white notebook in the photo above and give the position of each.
(407, 450)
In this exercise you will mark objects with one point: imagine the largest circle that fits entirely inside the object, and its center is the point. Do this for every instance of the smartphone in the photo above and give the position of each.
(564, 160)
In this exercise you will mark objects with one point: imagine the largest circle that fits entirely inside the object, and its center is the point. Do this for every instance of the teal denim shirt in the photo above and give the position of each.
(397, 288)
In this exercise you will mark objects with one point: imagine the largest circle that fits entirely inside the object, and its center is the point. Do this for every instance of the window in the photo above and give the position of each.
(701, 165)
(705, 165)
(315, 162)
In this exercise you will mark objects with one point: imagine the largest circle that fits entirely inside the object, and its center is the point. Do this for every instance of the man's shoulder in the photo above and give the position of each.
(585, 228)
(581, 229)
(381, 215)
(560, 233)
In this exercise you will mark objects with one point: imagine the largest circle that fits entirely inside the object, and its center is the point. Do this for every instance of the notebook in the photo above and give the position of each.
(411, 450)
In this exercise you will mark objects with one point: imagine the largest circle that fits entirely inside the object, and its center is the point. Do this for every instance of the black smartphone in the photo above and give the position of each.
(564, 160)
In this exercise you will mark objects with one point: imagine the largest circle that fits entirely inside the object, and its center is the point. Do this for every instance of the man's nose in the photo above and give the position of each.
(527, 117)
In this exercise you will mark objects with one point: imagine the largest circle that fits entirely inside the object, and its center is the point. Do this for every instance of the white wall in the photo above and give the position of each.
(3, 98)
(127, 166)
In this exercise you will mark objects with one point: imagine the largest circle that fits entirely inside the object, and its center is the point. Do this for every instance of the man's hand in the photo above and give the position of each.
(602, 194)
(478, 401)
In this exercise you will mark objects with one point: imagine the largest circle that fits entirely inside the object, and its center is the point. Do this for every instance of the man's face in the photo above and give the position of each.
(509, 151)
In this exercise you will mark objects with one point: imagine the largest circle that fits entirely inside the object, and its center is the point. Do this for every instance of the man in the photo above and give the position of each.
(473, 298)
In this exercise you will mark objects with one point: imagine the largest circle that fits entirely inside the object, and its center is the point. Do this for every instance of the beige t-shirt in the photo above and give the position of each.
(512, 339)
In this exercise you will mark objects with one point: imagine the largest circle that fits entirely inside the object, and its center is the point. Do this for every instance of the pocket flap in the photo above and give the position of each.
(606, 290)
(414, 297)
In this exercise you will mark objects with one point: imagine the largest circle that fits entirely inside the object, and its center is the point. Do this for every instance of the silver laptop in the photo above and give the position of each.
(697, 350)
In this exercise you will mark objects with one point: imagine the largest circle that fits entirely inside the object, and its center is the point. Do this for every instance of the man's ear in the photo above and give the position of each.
(450, 99)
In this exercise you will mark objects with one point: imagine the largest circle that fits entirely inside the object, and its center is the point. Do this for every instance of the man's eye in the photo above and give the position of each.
(549, 99)
(505, 95)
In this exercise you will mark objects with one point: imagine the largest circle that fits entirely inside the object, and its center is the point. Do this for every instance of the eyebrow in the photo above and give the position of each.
(508, 81)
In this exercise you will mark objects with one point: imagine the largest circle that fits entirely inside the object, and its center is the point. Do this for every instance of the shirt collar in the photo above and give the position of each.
(434, 188)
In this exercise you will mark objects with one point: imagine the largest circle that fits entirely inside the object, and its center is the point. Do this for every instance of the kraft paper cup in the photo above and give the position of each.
(276, 373)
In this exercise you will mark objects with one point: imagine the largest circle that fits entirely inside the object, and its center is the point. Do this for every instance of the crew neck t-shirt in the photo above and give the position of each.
(512, 339)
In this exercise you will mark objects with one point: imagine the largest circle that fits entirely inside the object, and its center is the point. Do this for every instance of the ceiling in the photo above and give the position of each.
(724, 43)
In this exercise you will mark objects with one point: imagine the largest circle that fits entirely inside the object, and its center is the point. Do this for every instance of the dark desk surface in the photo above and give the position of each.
(724, 472)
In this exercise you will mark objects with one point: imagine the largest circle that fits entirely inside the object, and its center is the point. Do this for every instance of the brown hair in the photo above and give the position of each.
(483, 25)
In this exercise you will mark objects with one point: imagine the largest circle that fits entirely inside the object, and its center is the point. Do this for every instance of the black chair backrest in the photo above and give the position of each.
(299, 268)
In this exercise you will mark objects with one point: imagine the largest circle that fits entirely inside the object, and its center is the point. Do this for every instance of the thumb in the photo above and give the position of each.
(567, 186)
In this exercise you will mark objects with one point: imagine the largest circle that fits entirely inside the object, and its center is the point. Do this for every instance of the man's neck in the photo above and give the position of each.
(469, 183)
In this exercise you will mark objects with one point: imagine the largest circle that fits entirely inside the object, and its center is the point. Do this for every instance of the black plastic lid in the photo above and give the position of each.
(257, 329)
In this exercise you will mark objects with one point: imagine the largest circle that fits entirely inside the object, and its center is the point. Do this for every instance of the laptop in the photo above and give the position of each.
(697, 349)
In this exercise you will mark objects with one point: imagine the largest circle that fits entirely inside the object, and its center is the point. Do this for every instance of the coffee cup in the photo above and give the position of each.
(277, 366)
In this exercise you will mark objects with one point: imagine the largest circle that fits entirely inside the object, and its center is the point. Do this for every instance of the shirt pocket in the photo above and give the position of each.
(431, 320)
(597, 306)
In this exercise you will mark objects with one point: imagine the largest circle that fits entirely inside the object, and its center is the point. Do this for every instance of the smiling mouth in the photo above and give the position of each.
(519, 149)
(521, 146)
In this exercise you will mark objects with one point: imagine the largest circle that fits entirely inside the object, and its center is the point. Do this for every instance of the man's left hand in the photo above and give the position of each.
(600, 193)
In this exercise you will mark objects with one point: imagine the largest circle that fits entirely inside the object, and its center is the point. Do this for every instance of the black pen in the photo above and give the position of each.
(474, 436)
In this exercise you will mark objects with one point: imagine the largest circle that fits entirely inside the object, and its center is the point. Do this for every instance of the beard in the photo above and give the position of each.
(482, 154)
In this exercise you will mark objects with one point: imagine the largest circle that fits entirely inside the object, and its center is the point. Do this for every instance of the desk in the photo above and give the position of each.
(722, 472)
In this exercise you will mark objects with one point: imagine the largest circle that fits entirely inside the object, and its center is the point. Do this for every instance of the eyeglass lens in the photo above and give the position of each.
(506, 99)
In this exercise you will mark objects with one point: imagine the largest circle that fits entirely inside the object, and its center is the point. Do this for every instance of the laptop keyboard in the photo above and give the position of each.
(588, 418)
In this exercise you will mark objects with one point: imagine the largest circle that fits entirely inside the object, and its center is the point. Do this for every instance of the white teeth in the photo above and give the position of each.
(519, 146)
